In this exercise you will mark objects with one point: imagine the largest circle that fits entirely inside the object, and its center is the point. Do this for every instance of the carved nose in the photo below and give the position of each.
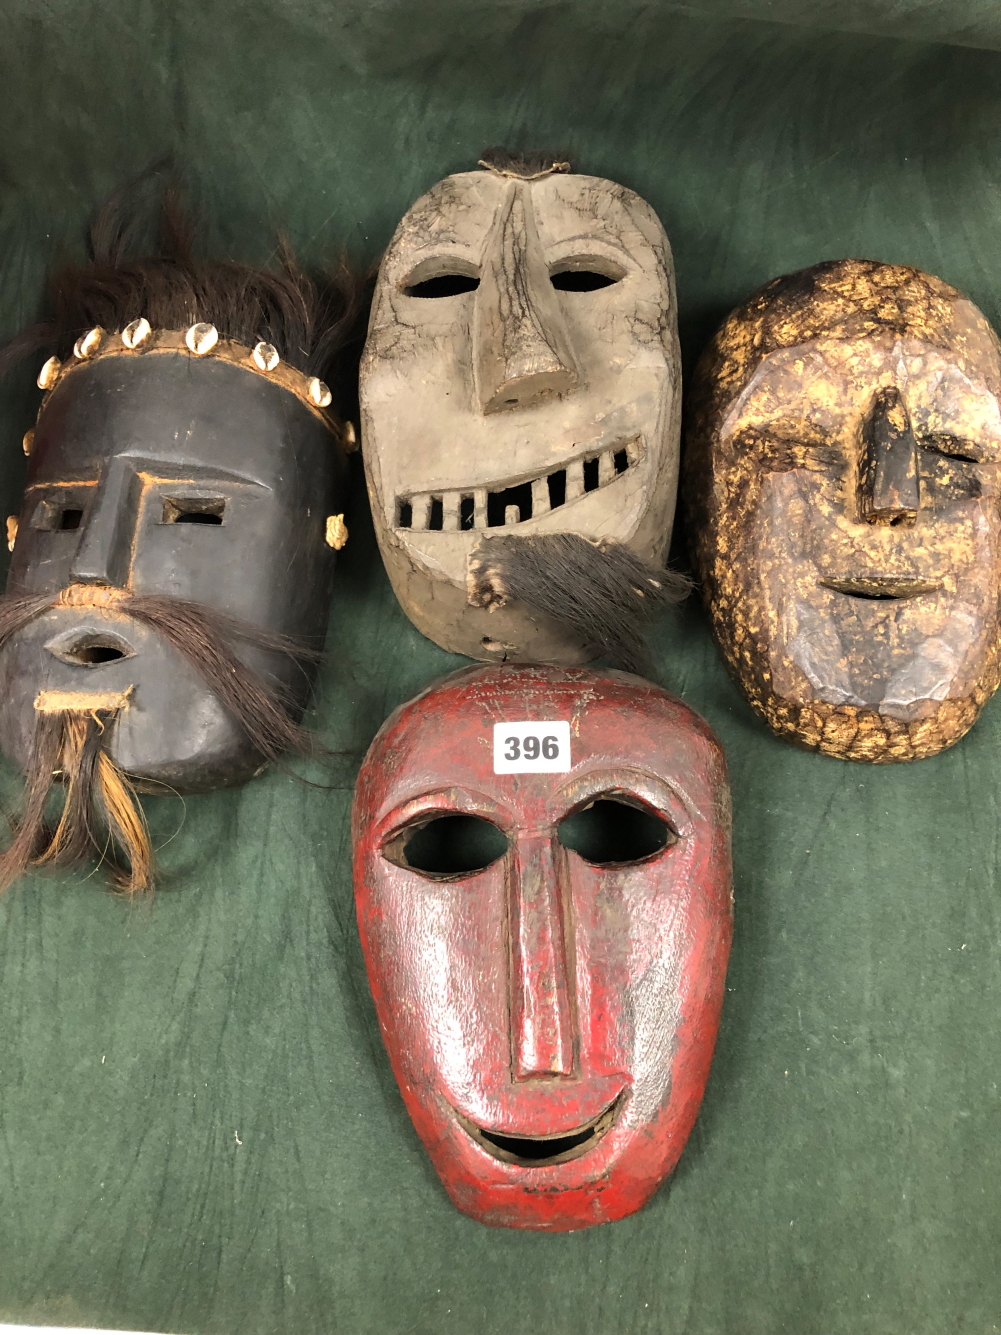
(888, 477)
(104, 549)
(541, 1008)
(521, 347)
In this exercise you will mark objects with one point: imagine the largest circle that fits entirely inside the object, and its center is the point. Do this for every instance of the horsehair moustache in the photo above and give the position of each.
(100, 815)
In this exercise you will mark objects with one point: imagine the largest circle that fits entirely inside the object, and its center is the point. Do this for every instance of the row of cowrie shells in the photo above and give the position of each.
(199, 339)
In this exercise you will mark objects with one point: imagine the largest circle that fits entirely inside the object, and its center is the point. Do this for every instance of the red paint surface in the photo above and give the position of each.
(532, 994)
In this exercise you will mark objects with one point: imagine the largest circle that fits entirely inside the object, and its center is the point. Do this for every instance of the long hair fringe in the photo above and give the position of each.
(316, 324)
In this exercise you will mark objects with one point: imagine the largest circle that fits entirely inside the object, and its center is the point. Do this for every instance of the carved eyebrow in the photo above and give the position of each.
(790, 430)
(959, 445)
(599, 240)
(176, 472)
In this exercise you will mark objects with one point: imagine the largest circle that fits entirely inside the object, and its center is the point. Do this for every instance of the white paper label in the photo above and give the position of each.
(532, 747)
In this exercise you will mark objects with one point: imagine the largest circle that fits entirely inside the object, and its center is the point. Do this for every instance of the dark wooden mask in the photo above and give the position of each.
(842, 482)
(173, 557)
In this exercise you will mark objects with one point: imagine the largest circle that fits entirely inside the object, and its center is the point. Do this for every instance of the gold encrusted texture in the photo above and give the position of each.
(828, 334)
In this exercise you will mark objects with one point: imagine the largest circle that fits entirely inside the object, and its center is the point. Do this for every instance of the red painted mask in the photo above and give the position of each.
(546, 946)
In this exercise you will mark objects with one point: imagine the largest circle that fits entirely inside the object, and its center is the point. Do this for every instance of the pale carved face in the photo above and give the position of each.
(875, 534)
(521, 375)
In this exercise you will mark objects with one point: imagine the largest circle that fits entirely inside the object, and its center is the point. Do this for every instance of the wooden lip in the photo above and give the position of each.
(879, 587)
(83, 702)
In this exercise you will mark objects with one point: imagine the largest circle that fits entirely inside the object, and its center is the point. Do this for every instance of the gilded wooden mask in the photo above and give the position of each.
(842, 477)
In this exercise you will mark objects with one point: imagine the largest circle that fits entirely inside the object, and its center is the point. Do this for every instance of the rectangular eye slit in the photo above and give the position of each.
(557, 487)
(54, 516)
(405, 517)
(193, 510)
(437, 513)
(467, 513)
(591, 474)
(621, 461)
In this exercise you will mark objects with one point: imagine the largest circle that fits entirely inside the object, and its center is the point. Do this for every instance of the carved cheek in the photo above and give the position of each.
(439, 952)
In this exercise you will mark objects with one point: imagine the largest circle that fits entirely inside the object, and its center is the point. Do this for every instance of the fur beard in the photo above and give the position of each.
(601, 591)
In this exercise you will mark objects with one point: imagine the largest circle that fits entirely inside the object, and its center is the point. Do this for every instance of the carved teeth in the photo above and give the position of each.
(508, 504)
(575, 480)
(420, 507)
(450, 512)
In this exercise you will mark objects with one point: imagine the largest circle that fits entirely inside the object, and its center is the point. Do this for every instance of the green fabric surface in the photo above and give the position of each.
(199, 1130)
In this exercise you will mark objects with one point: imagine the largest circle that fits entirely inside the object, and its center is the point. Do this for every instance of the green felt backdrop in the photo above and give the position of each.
(198, 1127)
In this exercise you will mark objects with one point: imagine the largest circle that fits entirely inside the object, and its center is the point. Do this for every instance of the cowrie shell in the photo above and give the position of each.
(265, 356)
(201, 338)
(49, 373)
(137, 332)
(319, 393)
(88, 343)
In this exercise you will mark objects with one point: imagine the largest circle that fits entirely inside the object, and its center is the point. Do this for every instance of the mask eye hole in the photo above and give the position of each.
(448, 846)
(193, 510)
(441, 276)
(55, 516)
(611, 832)
(585, 273)
(445, 285)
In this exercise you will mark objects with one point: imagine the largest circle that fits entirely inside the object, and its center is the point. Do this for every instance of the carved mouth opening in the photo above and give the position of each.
(467, 508)
(89, 649)
(879, 589)
(542, 1151)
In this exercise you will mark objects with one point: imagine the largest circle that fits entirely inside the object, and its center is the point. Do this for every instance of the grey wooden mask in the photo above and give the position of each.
(521, 378)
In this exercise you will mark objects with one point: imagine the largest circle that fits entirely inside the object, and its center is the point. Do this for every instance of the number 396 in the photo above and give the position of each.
(530, 748)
